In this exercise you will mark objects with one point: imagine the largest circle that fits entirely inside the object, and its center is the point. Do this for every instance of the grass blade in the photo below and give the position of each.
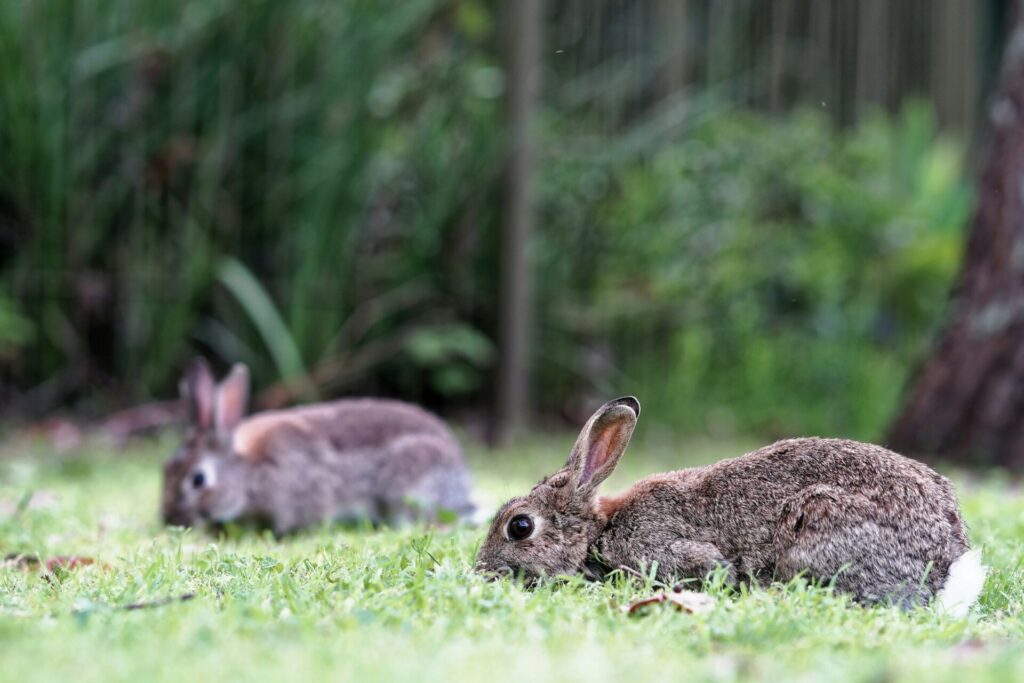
(260, 308)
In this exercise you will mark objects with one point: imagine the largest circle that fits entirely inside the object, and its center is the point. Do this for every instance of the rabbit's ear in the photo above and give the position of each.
(232, 399)
(197, 389)
(602, 442)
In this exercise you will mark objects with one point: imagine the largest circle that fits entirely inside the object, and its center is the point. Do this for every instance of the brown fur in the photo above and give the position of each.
(252, 436)
(607, 506)
(880, 526)
(352, 459)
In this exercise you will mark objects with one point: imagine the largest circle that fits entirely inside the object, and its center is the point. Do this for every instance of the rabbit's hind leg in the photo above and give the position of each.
(425, 480)
(844, 540)
(697, 560)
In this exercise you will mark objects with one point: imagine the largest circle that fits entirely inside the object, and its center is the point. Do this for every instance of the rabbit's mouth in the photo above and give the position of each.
(498, 573)
(494, 573)
(179, 517)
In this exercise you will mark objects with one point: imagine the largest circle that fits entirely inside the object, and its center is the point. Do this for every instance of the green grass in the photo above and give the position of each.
(353, 604)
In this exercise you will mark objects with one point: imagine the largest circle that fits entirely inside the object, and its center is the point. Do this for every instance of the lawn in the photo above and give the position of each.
(368, 605)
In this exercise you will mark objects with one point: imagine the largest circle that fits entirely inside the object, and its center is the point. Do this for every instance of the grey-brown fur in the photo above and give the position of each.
(372, 459)
(882, 527)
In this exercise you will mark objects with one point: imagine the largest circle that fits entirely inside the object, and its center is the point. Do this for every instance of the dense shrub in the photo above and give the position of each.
(756, 273)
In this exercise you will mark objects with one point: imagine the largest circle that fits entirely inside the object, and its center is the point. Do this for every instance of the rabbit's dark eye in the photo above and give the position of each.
(198, 479)
(520, 527)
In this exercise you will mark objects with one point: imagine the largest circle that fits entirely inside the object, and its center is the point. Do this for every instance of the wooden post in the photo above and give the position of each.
(672, 17)
(523, 19)
(955, 64)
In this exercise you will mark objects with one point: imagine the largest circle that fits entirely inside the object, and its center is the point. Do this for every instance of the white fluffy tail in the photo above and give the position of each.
(963, 584)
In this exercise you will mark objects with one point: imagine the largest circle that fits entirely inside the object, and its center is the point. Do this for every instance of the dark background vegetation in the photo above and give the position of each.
(748, 213)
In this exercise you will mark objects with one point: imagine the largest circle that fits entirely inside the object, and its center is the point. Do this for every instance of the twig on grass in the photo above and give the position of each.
(643, 578)
(160, 602)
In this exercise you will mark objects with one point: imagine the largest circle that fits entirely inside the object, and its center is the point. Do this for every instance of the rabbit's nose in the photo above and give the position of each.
(177, 517)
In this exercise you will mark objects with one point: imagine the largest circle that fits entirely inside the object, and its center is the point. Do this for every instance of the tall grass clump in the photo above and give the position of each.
(173, 175)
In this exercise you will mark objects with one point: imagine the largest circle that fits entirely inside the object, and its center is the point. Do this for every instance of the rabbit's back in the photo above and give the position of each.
(754, 490)
(766, 477)
(347, 424)
(803, 504)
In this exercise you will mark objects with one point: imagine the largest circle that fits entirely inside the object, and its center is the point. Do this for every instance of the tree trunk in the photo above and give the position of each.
(672, 29)
(523, 74)
(967, 401)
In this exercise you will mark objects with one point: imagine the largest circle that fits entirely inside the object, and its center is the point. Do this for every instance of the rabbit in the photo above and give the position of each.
(354, 459)
(881, 527)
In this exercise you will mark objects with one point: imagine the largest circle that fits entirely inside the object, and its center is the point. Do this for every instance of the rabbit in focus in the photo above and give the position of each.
(381, 460)
(883, 528)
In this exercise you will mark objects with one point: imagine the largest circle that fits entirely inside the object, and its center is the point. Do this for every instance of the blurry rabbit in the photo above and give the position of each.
(880, 526)
(352, 459)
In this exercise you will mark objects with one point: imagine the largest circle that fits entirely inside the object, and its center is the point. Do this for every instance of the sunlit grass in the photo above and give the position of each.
(358, 604)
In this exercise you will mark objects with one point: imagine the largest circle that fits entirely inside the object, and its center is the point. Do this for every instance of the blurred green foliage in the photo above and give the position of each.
(758, 274)
(277, 183)
(313, 188)
(15, 330)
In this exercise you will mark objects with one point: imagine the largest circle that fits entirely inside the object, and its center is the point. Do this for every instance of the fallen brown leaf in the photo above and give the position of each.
(30, 562)
(68, 562)
(637, 605)
(21, 561)
(685, 601)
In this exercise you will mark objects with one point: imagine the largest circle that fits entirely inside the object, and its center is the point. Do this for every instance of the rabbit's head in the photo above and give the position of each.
(205, 480)
(548, 531)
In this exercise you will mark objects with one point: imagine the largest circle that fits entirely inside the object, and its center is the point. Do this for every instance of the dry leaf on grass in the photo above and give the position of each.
(685, 601)
(68, 562)
(21, 561)
(31, 562)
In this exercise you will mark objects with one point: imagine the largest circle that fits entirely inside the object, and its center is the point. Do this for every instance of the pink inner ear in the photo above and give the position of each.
(229, 411)
(599, 451)
(200, 396)
(232, 396)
